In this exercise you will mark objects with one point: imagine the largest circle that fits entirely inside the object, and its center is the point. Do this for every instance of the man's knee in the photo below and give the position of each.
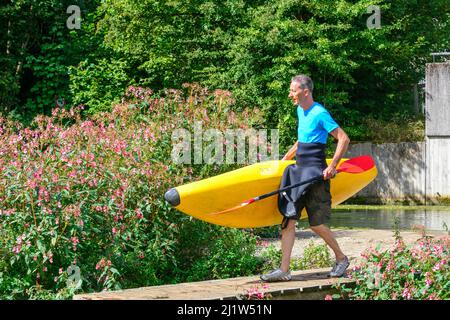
(290, 225)
(317, 229)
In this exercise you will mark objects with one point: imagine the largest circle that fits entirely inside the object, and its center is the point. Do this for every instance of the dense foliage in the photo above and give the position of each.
(251, 48)
(87, 193)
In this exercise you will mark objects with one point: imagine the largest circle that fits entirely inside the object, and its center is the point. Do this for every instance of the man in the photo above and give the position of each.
(314, 125)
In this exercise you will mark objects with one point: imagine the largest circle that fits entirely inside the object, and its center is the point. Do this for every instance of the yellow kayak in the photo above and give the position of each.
(202, 199)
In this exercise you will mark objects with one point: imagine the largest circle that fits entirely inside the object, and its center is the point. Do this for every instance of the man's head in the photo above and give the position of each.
(301, 89)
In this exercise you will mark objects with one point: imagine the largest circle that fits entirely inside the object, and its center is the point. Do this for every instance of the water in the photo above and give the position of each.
(432, 220)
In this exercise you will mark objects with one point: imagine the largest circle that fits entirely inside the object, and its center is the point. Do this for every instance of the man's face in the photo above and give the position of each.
(297, 94)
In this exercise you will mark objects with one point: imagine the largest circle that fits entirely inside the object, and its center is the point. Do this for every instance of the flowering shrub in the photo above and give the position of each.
(255, 293)
(88, 193)
(419, 271)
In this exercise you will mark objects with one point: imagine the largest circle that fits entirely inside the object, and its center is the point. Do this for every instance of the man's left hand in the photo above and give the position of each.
(329, 172)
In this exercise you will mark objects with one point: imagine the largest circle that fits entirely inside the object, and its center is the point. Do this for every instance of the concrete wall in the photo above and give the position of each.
(407, 171)
(438, 168)
(401, 171)
(417, 171)
(437, 129)
(437, 100)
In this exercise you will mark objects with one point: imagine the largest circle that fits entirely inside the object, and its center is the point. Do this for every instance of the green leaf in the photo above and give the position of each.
(40, 246)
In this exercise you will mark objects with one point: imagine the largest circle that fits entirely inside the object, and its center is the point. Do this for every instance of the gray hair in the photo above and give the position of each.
(304, 81)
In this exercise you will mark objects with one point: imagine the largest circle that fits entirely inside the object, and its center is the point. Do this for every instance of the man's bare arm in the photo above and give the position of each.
(343, 142)
(291, 153)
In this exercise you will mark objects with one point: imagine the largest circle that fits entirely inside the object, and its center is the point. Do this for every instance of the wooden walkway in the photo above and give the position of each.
(302, 285)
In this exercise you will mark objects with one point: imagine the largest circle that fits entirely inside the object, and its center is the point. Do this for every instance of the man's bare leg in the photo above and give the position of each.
(325, 233)
(287, 243)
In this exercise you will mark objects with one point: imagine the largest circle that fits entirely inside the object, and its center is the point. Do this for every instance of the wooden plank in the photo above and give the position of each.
(302, 281)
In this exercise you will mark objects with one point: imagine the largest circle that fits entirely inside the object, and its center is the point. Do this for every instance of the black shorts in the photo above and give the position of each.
(317, 201)
(315, 197)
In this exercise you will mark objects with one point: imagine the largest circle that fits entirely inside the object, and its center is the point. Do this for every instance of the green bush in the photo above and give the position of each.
(267, 232)
(99, 84)
(228, 253)
(314, 256)
(415, 272)
(50, 71)
(271, 257)
(398, 128)
(88, 193)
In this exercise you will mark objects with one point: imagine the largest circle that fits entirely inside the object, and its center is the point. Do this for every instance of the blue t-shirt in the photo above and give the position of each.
(314, 124)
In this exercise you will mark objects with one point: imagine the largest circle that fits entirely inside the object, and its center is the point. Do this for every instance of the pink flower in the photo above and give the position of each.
(438, 249)
(328, 297)
(390, 266)
(102, 263)
(139, 214)
(114, 230)
(406, 294)
(439, 265)
(75, 242)
(16, 249)
(72, 174)
(32, 184)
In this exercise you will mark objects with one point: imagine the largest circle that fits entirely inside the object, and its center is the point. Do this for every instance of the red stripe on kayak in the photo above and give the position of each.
(357, 164)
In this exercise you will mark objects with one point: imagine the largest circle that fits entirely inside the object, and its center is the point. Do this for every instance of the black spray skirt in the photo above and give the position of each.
(310, 163)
